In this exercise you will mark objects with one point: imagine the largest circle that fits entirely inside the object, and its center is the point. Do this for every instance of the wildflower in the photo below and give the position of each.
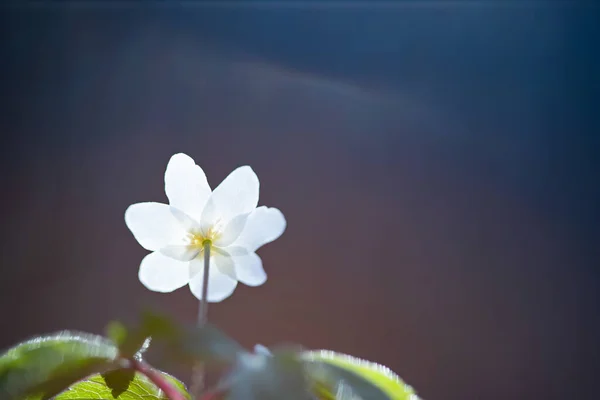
(226, 222)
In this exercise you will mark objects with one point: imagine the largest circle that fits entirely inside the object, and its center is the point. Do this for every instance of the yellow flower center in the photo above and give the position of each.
(199, 240)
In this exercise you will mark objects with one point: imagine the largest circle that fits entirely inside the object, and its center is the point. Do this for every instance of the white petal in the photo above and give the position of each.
(264, 225)
(180, 252)
(220, 286)
(232, 231)
(210, 217)
(249, 269)
(153, 225)
(163, 274)
(237, 194)
(186, 185)
(186, 222)
(224, 262)
(236, 251)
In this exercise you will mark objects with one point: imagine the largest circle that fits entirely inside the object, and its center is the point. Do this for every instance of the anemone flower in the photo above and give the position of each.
(223, 226)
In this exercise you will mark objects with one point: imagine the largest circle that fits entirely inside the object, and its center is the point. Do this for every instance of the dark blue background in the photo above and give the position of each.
(437, 164)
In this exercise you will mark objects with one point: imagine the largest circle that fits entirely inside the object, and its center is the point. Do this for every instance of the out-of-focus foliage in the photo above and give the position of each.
(184, 344)
(77, 366)
(275, 376)
(349, 367)
(44, 366)
(135, 387)
(292, 374)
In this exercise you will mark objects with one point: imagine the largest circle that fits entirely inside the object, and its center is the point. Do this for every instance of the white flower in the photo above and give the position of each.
(227, 217)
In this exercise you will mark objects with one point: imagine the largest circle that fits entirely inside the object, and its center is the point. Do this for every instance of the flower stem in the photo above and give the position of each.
(203, 311)
(158, 379)
(198, 370)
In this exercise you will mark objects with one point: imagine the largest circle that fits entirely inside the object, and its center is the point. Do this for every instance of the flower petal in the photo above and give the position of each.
(220, 286)
(236, 251)
(160, 273)
(237, 194)
(186, 185)
(249, 269)
(153, 225)
(232, 231)
(224, 262)
(180, 252)
(186, 222)
(264, 225)
(209, 221)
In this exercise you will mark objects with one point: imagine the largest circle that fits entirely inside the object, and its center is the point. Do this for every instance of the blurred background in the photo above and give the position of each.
(435, 162)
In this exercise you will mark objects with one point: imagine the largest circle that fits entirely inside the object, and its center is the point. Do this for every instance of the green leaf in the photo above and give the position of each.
(351, 369)
(97, 387)
(117, 332)
(189, 343)
(119, 380)
(130, 342)
(275, 376)
(159, 326)
(44, 366)
(209, 345)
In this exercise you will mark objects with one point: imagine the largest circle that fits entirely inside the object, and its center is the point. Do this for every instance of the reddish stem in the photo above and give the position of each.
(170, 390)
(212, 396)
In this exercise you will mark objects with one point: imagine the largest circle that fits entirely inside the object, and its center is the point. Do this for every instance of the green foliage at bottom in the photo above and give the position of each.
(99, 387)
(47, 365)
(379, 375)
(80, 366)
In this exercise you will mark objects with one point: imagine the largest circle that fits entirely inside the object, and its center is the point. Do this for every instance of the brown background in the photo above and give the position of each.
(435, 166)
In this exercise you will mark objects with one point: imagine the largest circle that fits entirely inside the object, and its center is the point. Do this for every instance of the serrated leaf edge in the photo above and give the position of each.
(324, 355)
(78, 336)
